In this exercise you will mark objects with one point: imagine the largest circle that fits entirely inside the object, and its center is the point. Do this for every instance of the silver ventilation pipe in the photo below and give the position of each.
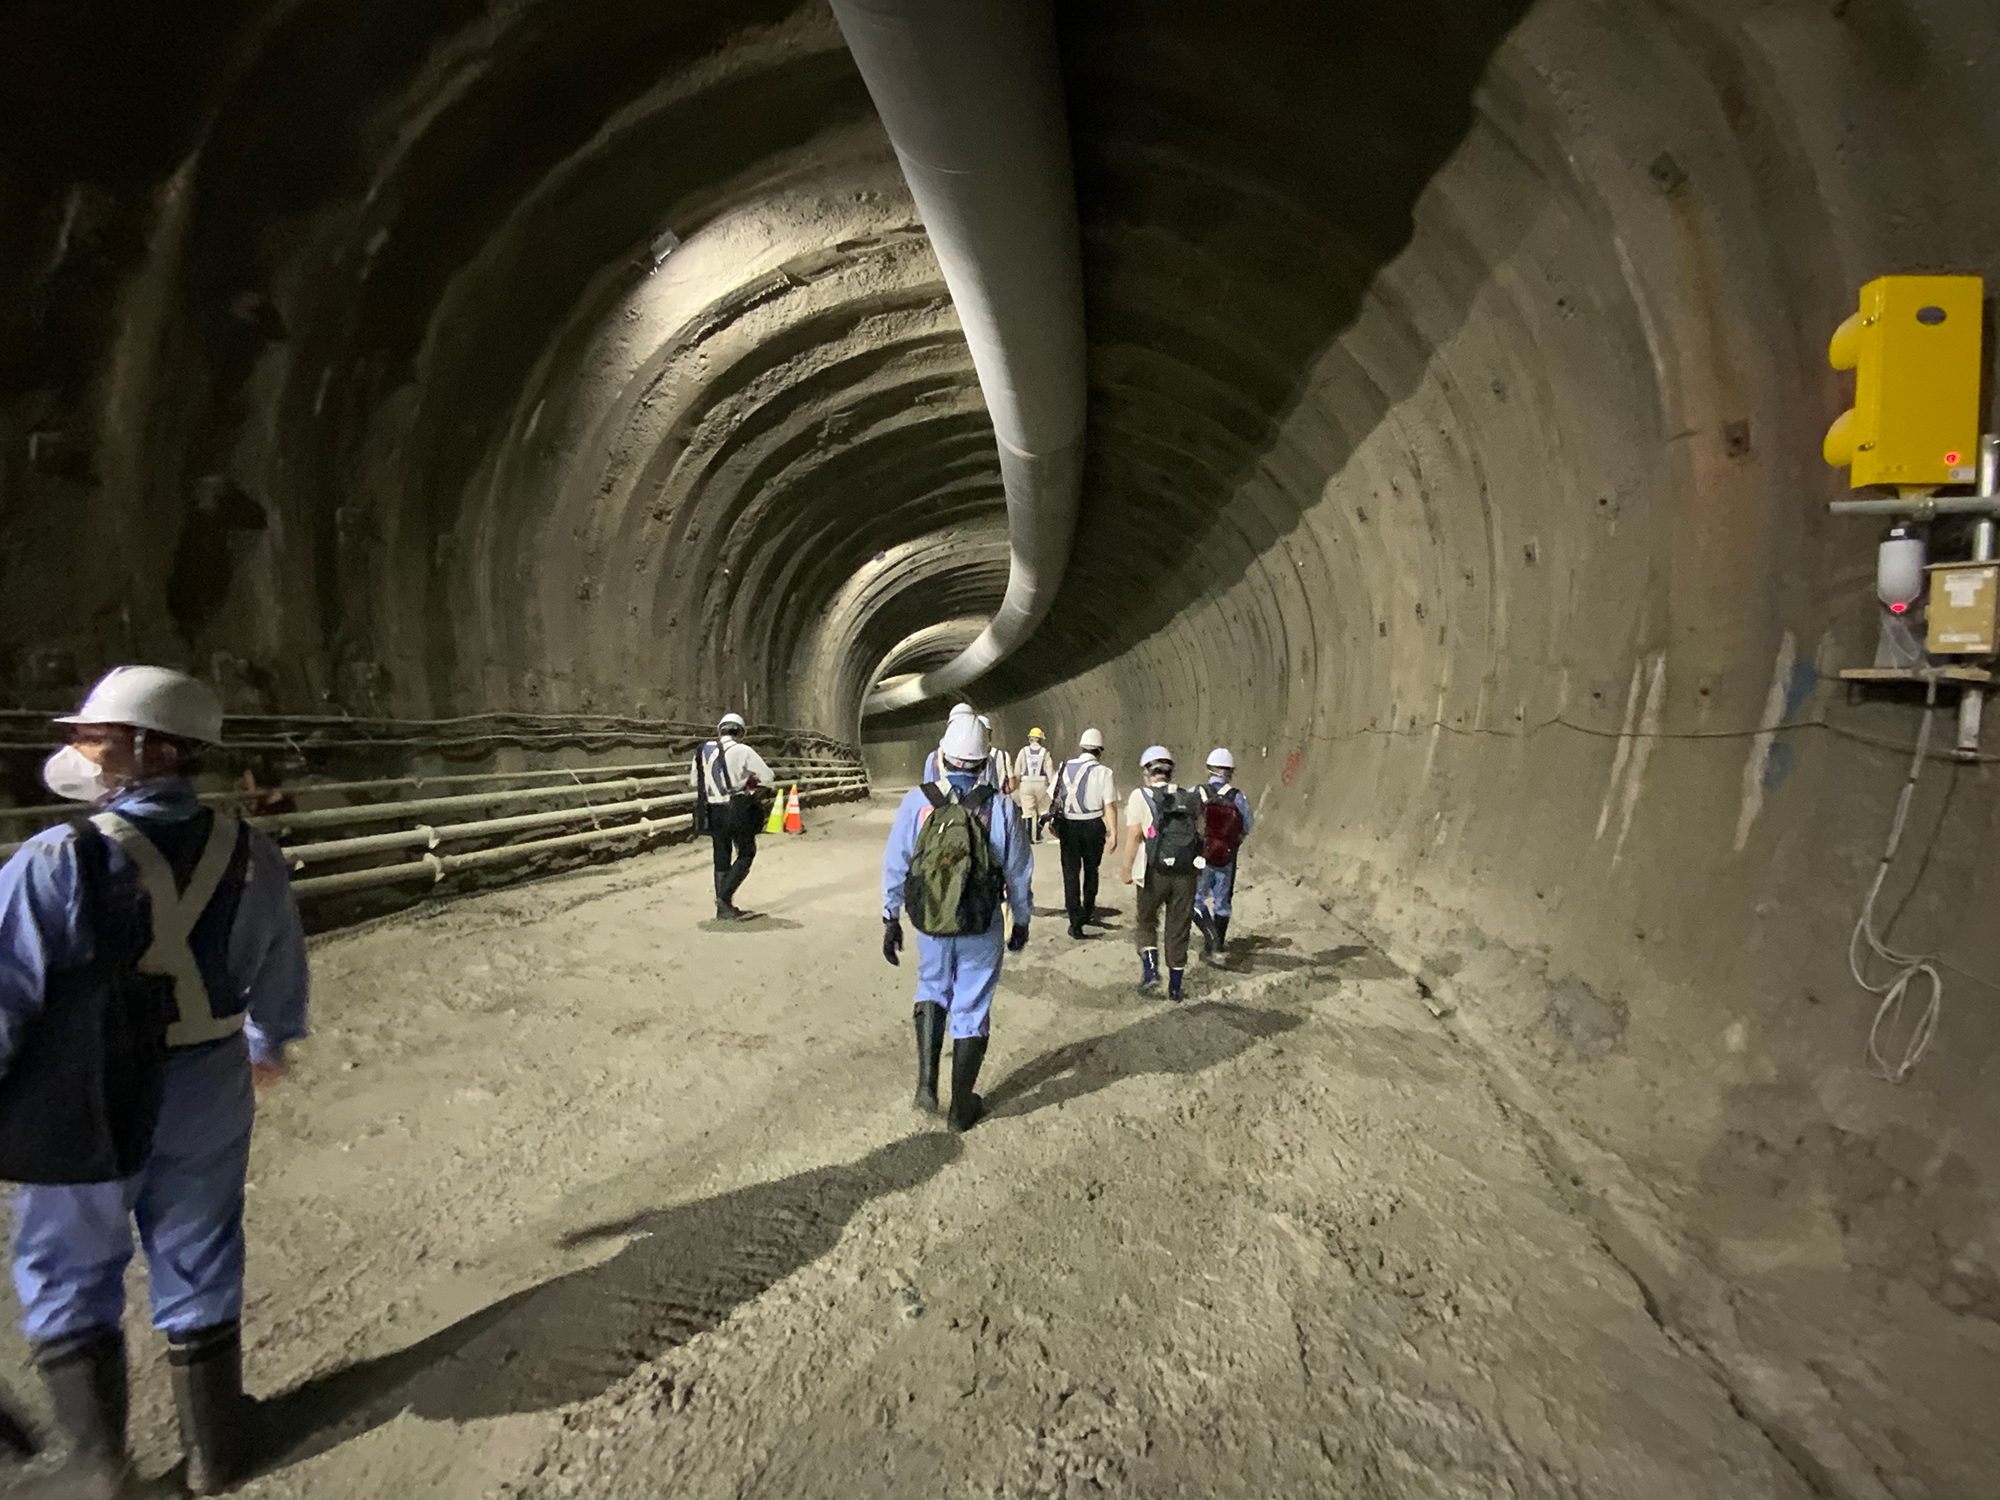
(971, 94)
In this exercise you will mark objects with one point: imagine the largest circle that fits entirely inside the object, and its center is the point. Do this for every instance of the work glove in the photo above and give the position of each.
(892, 939)
(1018, 939)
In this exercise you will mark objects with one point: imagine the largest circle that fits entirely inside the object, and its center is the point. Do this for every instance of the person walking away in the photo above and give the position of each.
(1164, 822)
(1033, 769)
(997, 771)
(726, 775)
(999, 764)
(957, 862)
(1086, 811)
(1225, 824)
(155, 973)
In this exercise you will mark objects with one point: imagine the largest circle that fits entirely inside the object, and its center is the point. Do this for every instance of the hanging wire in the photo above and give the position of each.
(1908, 968)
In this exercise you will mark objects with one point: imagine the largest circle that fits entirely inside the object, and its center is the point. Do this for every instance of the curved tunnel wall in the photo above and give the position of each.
(1492, 601)
(1456, 392)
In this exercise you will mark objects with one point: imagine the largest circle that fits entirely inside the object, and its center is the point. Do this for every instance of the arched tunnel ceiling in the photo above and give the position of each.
(557, 359)
(1456, 384)
(567, 358)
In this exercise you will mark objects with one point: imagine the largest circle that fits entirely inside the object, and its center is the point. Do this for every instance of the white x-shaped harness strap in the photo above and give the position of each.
(175, 913)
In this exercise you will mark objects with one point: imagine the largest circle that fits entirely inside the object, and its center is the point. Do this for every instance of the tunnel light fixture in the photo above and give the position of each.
(665, 243)
(1915, 347)
(1899, 569)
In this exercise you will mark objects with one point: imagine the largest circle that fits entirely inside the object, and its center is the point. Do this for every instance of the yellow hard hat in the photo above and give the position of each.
(1034, 734)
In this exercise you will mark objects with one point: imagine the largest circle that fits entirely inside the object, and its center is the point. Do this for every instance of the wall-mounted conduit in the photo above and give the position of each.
(971, 95)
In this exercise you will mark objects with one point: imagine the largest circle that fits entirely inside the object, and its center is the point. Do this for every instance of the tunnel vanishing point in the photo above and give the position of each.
(1453, 375)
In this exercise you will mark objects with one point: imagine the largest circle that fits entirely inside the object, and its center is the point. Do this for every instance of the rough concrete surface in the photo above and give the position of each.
(1457, 382)
(665, 1222)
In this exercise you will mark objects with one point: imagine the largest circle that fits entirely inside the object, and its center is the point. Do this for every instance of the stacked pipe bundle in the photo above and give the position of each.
(625, 787)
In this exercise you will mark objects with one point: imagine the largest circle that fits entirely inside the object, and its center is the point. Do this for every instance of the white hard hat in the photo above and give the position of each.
(155, 698)
(965, 739)
(1154, 754)
(987, 722)
(1091, 740)
(1221, 757)
(730, 721)
(961, 710)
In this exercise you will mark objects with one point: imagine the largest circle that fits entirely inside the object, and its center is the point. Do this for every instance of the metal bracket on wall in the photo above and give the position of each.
(1985, 504)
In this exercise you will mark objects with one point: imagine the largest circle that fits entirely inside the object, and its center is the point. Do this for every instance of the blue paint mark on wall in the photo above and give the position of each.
(1780, 763)
(1777, 765)
(1804, 678)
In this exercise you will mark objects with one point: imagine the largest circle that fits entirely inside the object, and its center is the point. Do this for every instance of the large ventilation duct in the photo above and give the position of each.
(971, 96)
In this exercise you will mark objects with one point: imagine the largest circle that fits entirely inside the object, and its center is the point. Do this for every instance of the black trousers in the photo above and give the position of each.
(1167, 894)
(1082, 841)
(733, 829)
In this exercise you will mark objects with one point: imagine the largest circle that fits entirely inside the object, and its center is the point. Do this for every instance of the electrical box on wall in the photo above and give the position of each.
(1962, 608)
(1916, 349)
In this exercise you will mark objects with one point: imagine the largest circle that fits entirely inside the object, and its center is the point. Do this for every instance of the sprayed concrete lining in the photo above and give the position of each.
(1455, 396)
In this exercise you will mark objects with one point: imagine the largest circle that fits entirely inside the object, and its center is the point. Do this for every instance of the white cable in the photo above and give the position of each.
(1895, 990)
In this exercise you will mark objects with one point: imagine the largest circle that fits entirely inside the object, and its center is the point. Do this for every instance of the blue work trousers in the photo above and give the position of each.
(72, 1243)
(961, 974)
(1214, 889)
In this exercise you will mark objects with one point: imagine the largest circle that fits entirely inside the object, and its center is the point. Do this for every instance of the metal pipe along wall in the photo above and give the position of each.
(971, 96)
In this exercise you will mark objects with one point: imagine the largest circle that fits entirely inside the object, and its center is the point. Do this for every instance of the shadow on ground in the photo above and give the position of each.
(1184, 1040)
(1265, 955)
(751, 923)
(683, 1272)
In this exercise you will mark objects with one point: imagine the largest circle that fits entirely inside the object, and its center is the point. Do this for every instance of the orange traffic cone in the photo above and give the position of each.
(793, 822)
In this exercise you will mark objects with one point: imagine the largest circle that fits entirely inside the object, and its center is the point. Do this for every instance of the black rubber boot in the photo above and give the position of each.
(930, 1049)
(1206, 924)
(1149, 970)
(16, 1435)
(215, 1416)
(87, 1383)
(1174, 978)
(967, 1108)
(1221, 939)
(1076, 930)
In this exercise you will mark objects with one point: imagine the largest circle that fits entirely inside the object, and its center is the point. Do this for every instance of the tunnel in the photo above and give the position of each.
(1455, 378)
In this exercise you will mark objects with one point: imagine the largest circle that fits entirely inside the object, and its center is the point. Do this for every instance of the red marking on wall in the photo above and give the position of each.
(1292, 764)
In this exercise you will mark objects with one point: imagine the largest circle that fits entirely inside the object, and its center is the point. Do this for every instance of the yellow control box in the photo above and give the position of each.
(1917, 352)
(1963, 596)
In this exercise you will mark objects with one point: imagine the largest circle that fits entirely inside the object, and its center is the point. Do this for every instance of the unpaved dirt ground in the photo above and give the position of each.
(575, 1194)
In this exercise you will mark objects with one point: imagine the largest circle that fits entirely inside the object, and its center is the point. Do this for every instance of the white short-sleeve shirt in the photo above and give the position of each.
(1088, 787)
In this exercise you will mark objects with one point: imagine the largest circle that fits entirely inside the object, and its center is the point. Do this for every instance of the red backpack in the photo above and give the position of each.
(1221, 828)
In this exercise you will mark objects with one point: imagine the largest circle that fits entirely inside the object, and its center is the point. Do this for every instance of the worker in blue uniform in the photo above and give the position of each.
(956, 976)
(1216, 888)
(220, 923)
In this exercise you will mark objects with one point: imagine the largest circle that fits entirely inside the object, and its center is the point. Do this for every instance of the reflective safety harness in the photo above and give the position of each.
(715, 771)
(1073, 781)
(175, 913)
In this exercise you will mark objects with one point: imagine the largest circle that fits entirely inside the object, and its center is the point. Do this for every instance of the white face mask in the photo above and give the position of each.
(74, 776)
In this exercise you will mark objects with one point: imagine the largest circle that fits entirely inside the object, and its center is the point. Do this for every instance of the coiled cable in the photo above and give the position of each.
(1908, 967)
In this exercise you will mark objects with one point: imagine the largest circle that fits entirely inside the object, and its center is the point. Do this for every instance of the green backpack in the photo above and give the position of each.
(955, 880)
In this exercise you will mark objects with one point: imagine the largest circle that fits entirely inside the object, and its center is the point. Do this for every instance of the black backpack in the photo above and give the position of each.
(1177, 839)
(80, 1099)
